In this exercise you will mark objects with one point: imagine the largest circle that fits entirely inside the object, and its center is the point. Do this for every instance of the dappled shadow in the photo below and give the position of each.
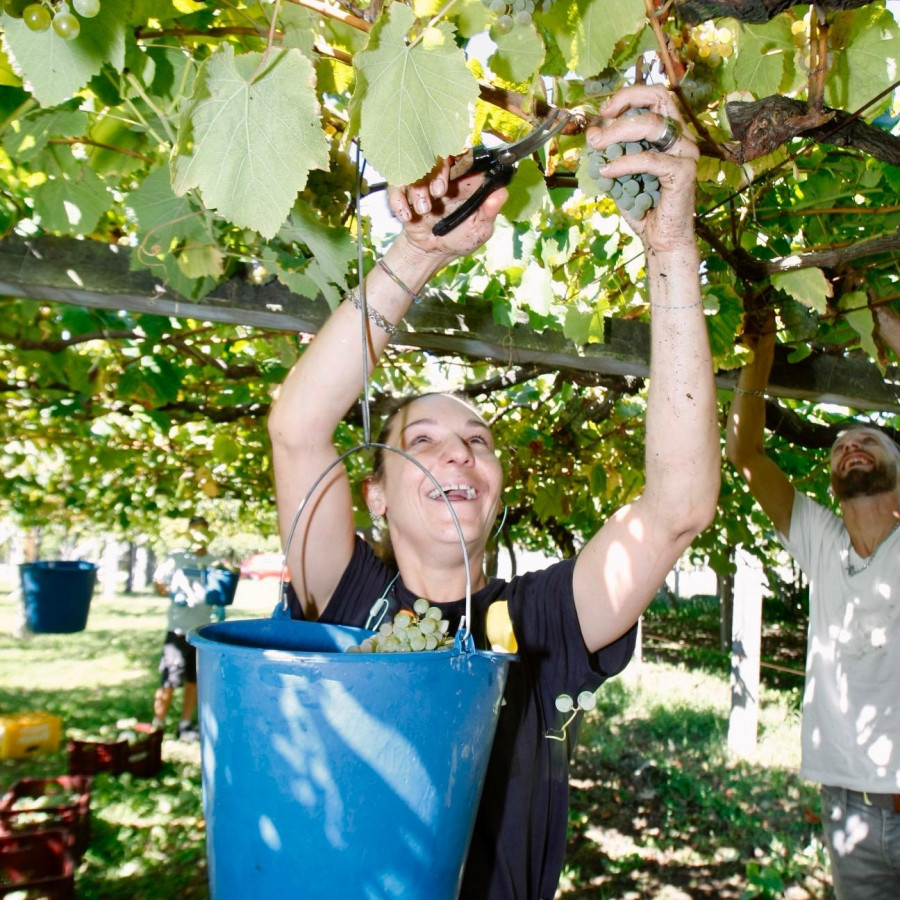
(663, 813)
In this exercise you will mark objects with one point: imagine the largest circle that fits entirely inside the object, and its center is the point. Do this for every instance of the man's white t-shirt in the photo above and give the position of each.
(851, 702)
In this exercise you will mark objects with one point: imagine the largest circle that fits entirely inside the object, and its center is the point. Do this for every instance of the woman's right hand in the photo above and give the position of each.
(418, 207)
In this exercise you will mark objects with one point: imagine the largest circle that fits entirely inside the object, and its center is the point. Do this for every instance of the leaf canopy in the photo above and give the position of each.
(215, 147)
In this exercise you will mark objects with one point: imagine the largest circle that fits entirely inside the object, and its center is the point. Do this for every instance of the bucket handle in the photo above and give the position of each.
(463, 635)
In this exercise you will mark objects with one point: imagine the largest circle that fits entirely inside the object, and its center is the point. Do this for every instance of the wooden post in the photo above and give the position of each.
(746, 637)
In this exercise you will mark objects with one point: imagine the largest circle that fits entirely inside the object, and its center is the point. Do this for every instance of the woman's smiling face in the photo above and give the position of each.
(451, 440)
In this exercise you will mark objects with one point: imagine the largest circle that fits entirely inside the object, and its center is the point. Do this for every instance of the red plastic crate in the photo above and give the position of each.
(39, 865)
(145, 754)
(142, 757)
(62, 803)
(92, 757)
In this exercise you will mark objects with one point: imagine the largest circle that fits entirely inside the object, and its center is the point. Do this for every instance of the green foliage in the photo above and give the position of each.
(217, 143)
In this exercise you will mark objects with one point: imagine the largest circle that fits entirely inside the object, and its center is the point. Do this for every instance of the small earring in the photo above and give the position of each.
(374, 515)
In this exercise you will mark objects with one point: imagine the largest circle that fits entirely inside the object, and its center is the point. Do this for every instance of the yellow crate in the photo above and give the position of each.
(22, 734)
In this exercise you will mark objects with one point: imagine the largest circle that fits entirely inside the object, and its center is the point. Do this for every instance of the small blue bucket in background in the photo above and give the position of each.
(57, 595)
(339, 776)
(221, 586)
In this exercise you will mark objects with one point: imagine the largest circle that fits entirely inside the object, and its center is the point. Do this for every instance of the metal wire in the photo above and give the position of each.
(464, 637)
(464, 624)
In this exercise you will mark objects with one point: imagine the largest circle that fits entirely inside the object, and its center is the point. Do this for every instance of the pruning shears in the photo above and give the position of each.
(498, 164)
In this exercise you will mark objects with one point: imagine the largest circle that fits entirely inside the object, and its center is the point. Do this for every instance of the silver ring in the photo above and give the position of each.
(669, 136)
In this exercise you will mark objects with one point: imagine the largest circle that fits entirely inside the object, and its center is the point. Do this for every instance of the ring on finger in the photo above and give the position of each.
(668, 136)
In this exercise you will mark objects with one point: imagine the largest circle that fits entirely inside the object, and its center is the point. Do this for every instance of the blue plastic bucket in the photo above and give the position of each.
(329, 775)
(221, 586)
(57, 595)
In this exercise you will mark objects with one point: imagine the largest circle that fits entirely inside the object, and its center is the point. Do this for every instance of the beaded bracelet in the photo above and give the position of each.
(745, 393)
(372, 313)
(392, 274)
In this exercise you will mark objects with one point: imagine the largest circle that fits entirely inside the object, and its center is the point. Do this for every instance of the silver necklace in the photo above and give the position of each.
(855, 570)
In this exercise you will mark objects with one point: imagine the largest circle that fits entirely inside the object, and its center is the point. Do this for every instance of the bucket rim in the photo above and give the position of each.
(204, 637)
(59, 564)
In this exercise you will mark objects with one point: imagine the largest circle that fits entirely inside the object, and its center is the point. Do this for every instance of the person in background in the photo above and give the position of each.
(180, 577)
(850, 732)
(572, 624)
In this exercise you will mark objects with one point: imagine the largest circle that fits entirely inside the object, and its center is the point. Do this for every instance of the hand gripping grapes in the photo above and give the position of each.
(573, 623)
(643, 134)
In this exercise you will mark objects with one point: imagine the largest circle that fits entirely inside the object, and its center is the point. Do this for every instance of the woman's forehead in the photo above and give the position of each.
(439, 408)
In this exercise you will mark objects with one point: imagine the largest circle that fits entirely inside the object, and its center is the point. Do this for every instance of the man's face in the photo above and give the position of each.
(864, 462)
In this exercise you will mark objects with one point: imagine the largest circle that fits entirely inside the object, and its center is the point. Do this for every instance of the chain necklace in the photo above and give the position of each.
(855, 570)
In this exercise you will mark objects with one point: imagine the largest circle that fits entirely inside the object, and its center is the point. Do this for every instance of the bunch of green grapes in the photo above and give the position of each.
(510, 13)
(634, 194)
(39, 16)
(709, 44)
(332, 191)
(607, 82)
(422, 629)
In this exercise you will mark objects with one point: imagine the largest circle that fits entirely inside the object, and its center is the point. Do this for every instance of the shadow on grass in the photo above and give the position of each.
(658, 810)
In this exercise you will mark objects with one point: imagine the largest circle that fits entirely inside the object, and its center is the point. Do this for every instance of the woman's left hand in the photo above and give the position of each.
(671, 223)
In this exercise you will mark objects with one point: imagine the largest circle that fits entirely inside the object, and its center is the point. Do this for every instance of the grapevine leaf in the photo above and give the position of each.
(155, 381)
(332, 247)
(8, 75)
(413, 100)
(310, 282)
(527, 191)
(30, 135)
(764, 54)
(870, 41)
(71, 205)
(808, 286)
(519, 54)
(535, 292)
(167, 221)
(200, 260)
(472, 17)
(248, 139)
(583, 325)
(55, 69)
(587, 31)
(164, 218)
(858, 314)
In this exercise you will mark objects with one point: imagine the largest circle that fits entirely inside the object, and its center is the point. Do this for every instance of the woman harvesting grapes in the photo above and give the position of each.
(573, 623)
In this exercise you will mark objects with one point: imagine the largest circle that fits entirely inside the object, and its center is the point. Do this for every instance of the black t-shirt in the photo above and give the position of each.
(520, 832)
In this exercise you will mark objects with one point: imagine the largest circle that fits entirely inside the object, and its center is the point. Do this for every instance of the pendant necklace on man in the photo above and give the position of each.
(855, 570)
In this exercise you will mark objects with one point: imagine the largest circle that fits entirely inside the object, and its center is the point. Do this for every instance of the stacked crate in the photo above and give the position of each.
(141, 757)
(45, 826)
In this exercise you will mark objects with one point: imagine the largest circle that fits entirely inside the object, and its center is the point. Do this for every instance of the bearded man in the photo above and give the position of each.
(851, 705)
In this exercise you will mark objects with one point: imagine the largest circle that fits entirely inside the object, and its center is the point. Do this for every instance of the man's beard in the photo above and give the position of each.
(880, 479)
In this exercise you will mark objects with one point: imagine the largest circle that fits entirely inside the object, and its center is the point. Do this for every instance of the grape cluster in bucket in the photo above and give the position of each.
(423, 628)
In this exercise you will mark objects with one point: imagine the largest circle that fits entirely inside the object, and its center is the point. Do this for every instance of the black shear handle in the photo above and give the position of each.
(498, 176)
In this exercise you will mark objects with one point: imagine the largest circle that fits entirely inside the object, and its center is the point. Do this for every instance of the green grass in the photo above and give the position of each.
(147, 834)
(659, 809)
